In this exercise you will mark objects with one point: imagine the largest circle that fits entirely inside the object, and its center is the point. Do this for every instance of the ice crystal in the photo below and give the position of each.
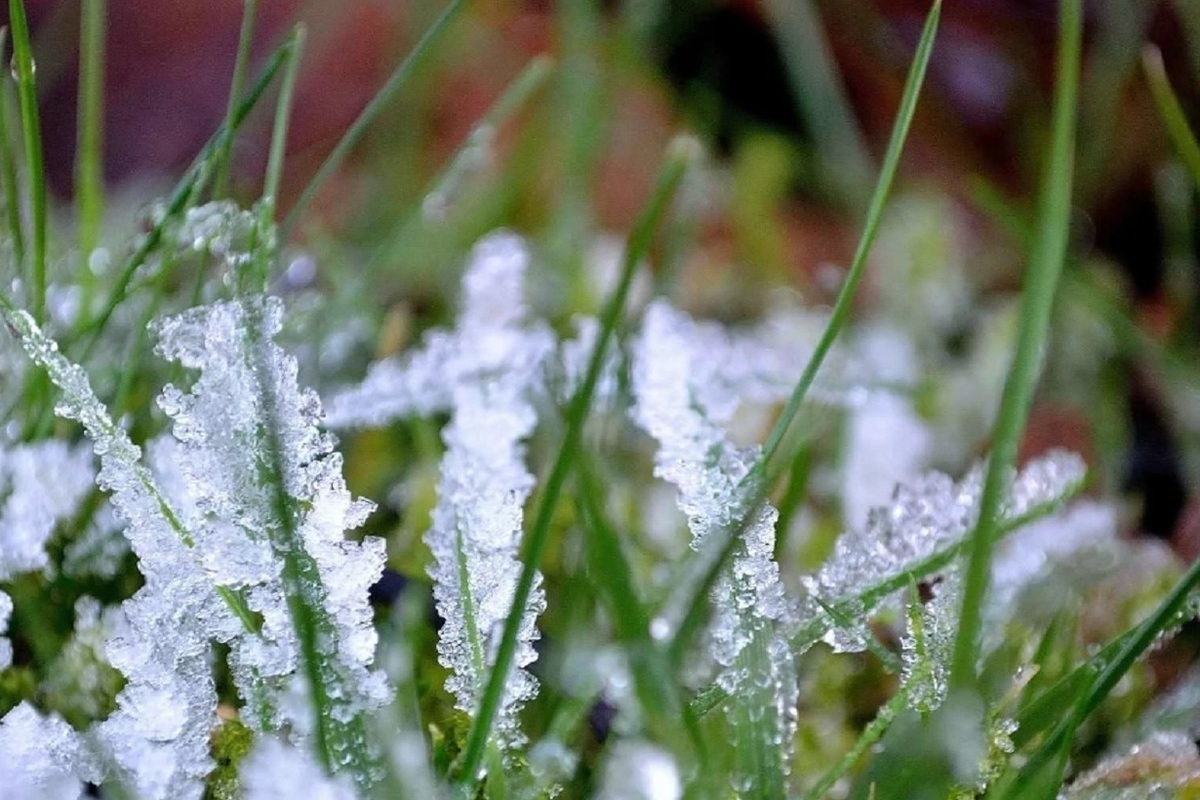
(926, 515)
(45, 483)
(677, 404)
(1164, 767)
(494, 364)
(927, 645)
(275, 770)
(636, 770)
(492, 340)
(42, 757)
(158, 736)
(267, 483)
(100, 549)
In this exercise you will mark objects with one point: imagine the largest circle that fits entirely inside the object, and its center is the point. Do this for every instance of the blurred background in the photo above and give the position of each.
(794, 100)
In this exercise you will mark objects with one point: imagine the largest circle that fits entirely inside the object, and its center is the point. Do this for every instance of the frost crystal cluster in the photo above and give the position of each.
(487, 373)
(677, 404)
(248, 522)
(926, 516)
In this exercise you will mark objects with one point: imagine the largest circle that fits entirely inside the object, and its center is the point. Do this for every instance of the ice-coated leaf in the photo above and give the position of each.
(42, 757)
(928, 644)
(267, 484)
(157, 739)
(926, 515)
(677, 403)
(495, 366)
(41, 484)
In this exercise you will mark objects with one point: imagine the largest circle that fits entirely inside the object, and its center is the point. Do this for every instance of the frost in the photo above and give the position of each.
(222, 229)
(929, 514)
(100, 550)
(42, 757)
(158, 737)
(267, 485)
(637, 770)
(492, 340)
(494, 364)
(44, 483)
(928, 644)
(1163, 767)
(275, 770)
(80, 679)
(677, 403)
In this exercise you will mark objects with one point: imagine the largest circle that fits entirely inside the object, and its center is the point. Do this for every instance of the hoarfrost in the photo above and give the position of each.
(45, 483)
(494, 365)
(929, 514)
(677, 403)
(42, 757)
(268, 486)
(928, 644)
(158, 736)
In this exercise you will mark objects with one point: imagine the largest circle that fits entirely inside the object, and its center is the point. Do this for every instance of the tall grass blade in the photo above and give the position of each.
(34, 163)
(89, 150)
(240, 64)
(1170, 112)
(1037, 302)
(8, 173)
(704, 568)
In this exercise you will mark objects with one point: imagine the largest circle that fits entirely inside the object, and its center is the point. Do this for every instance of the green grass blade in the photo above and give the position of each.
(1171, 112)
(870, 735)
(8, 172)
(240, 64)
(610, 571)
(265, 251)
(34, 163)
(1037, 303)
(820, 95)
(680, 154)
(378, 103)
(89, 149)
(693, 590)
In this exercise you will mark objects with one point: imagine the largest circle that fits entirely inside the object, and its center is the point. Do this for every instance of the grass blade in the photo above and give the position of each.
(694, 588)
(680, 154)
(379, 102)
(34, 164)
(820, 95)
(89, 151)
(1171, 112)
(241, 61)
(8, 172)
(1037, 302)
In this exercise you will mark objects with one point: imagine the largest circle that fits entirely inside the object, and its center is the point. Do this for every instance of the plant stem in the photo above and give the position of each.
(89, 150)
(32, 135)
(8, 172)
(1037, 303)
(240, 64)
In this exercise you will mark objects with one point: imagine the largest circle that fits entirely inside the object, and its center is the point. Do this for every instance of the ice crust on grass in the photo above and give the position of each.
(495, 364)
(254, 504)
(266, 485)
(489, 372)
(42, 757)
(925, 516)
(680, 406)
(42, 484)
